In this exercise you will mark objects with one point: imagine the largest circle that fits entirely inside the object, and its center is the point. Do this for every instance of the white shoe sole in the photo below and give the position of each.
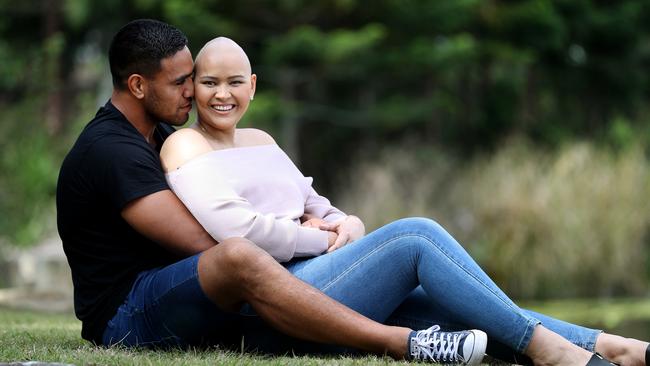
(478, 352)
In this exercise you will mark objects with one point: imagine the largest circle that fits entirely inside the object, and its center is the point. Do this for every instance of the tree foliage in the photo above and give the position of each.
(337, 75)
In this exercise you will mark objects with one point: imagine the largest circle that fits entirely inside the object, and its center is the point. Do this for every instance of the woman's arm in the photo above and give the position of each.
(224, 213)
(320, 207)
(320, 213)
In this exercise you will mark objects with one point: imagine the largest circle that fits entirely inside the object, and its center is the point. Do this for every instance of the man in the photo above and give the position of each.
(144, 271)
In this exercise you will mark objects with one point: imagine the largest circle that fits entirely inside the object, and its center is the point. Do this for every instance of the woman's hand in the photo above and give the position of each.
(315, 223)
(348, 230)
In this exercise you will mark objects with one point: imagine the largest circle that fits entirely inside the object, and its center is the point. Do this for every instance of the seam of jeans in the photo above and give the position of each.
(506, 301)
(147, 324)
(528, 335)
(460, 265)
(196, 275)
(156, 301)
(529, 320)
(590, 344)
(430, 241)
(146, 310)
(356, 263)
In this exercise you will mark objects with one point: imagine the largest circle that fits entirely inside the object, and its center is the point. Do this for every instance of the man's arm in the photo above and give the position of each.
(163, 218)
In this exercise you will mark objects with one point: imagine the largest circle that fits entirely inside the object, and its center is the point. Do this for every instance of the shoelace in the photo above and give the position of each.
(436, 345)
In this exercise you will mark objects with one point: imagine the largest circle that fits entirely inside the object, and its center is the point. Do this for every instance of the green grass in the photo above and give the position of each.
(30, 336)
(628, 317)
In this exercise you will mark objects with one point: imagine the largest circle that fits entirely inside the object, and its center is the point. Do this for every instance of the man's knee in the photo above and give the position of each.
(225, 271)
(239, 256)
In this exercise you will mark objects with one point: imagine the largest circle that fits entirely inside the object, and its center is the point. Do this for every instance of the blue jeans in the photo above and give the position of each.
(166, 307)
(413, 273)
(410, 273)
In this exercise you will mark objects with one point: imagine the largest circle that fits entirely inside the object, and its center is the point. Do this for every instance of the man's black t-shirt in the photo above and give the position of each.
(110, 165)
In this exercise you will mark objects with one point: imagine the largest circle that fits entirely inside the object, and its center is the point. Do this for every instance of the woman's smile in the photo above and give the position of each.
(223, 107)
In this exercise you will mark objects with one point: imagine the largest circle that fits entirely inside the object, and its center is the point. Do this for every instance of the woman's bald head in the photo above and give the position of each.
(222, 48)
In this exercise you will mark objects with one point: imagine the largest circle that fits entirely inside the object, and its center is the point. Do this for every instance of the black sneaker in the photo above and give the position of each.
(466, 347)
(598, 360)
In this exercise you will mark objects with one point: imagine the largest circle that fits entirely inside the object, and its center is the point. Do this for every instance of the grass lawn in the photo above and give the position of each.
(30, 336)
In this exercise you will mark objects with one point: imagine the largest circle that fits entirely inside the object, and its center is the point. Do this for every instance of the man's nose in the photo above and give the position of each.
(189, 90)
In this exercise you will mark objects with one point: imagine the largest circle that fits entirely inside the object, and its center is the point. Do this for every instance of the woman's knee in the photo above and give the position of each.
(420, 224)
(420, 232)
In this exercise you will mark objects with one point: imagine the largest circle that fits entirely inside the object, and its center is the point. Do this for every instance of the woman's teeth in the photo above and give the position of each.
(223, 108)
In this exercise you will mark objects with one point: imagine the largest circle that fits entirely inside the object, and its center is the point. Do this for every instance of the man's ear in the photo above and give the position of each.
(136, 85)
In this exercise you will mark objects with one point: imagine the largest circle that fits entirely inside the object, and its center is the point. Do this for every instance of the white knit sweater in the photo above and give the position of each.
(254, 192)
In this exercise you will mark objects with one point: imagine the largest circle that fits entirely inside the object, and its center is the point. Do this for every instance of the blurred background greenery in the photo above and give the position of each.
(522, 126)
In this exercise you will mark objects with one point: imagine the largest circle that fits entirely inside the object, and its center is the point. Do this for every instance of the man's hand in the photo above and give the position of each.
(348, 230)
(314, 222)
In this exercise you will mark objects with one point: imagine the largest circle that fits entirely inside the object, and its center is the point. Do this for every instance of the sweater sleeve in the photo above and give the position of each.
(315, 204)
(320, 206)
(224, 214)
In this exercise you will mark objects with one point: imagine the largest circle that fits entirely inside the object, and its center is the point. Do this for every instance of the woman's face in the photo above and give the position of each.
(223, 87)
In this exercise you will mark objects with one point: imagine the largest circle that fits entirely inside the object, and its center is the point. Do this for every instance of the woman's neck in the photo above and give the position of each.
(218, 139)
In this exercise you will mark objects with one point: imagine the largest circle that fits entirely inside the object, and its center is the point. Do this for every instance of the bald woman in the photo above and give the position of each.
(237, 182)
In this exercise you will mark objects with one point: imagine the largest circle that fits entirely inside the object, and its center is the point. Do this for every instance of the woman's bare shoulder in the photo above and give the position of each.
(181, 147)
(253, 137)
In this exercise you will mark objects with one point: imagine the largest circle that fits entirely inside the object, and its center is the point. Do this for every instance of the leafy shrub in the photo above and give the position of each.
(573, 222)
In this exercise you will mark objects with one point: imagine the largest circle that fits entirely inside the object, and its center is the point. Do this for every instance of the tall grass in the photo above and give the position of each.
(571, 222)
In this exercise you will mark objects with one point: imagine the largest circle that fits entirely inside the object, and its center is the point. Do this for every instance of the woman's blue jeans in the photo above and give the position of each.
(413, 273)
(410, 273)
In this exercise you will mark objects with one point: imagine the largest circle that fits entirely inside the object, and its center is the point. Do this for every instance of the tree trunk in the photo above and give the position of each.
(54, 100)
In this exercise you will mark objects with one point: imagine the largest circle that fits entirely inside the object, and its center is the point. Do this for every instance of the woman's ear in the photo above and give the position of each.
(135, 83)
(253, 85)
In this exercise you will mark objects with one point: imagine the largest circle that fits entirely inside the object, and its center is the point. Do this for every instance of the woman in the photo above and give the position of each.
(238, 182)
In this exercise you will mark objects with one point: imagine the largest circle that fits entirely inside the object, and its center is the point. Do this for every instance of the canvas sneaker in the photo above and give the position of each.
(465, 347)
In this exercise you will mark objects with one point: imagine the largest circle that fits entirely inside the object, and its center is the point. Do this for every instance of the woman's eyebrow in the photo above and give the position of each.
(214, 77)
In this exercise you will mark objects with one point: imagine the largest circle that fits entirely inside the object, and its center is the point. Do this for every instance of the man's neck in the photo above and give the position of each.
(135, 113)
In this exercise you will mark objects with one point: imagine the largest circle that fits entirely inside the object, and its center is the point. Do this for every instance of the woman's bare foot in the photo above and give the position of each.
(621, 350)
(549, 348)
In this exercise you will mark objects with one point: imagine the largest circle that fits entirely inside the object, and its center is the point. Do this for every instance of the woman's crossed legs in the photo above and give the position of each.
(413, 273)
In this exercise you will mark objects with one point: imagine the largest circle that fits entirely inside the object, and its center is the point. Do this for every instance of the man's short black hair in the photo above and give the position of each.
(139, 47)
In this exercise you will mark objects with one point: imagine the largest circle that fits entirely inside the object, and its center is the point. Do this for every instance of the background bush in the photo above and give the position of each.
(569, 222)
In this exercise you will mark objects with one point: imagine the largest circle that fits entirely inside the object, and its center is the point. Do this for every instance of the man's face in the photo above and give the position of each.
(169, 93)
